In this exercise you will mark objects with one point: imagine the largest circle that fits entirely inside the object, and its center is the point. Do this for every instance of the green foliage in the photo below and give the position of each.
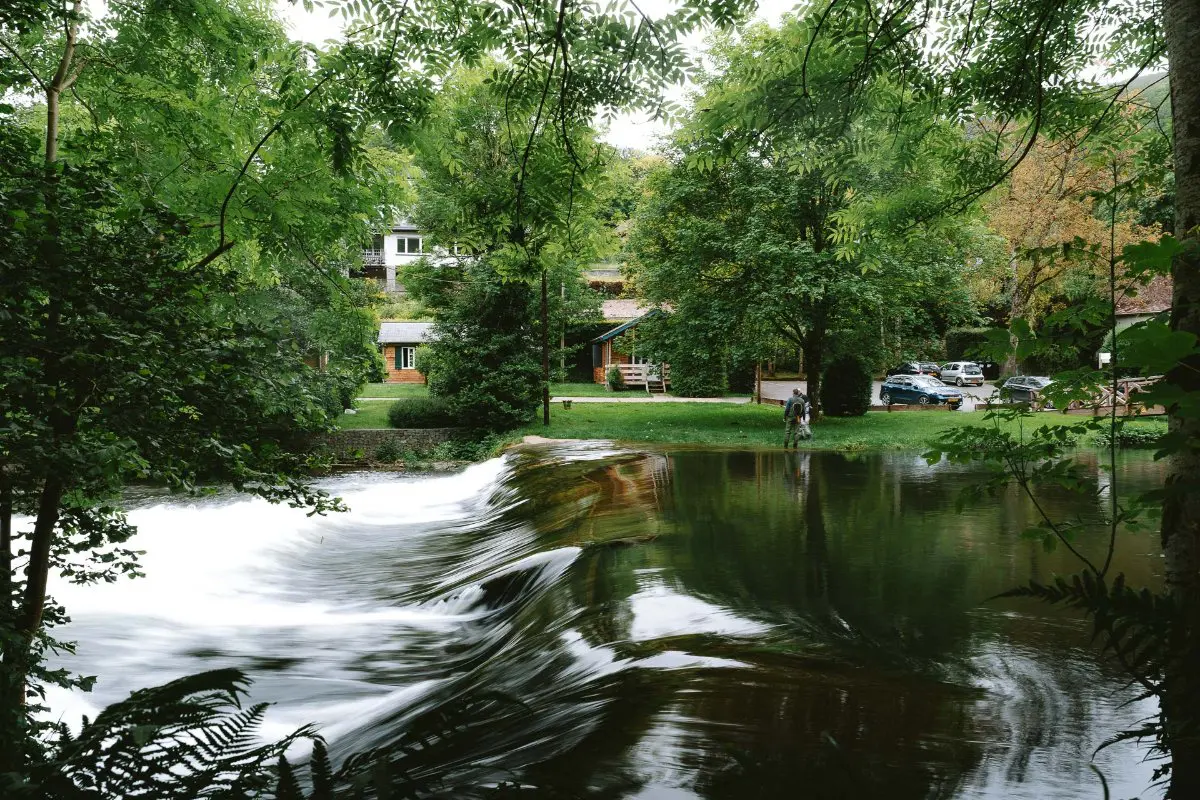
(421, 412)
(968, 343)
(188, 739)
(614, 379)
(846, 388)
(124, 358)
(697, 355)
(482, 362)
(1132, 435)
(387, 452)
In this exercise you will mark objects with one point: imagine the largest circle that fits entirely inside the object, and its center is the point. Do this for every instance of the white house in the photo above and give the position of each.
(398, 248)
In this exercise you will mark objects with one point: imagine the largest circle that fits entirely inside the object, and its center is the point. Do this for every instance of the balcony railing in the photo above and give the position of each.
(373, 258)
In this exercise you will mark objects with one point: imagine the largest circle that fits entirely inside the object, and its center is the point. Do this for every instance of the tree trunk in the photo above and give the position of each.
(1016, 309)
(813, 345)
(545, 353)
(12, 682)
(1181, 508)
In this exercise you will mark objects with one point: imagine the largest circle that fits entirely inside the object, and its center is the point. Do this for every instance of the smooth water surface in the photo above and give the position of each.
(665, 625)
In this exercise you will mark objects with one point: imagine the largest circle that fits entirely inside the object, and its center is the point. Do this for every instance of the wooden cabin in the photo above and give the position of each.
(398, 342)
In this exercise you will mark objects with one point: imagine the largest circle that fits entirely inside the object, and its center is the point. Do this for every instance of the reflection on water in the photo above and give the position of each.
(692, 624)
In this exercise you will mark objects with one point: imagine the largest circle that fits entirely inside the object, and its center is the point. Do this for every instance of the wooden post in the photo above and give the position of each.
(758, 383)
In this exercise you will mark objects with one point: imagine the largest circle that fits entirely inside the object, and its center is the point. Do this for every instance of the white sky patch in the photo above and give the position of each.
(628, 130)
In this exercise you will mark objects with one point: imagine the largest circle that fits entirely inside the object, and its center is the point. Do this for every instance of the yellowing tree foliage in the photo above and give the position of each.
(1052, 203)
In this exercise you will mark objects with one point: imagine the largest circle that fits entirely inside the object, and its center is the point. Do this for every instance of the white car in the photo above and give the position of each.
(962, 373)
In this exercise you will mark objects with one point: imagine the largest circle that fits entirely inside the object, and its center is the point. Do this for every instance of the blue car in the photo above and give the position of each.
(920, 389)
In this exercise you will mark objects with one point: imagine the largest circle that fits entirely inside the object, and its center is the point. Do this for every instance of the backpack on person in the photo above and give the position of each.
(800, 407)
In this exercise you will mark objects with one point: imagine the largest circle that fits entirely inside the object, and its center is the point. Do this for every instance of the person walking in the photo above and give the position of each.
(795, 417)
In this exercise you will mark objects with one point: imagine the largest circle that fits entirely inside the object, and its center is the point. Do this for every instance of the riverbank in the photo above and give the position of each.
(761, 426)
(725, 425)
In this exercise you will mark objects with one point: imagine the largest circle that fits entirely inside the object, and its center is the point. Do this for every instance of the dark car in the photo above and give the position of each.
(930, 368)
(1024, 389)
(920, 389)
(906, 368)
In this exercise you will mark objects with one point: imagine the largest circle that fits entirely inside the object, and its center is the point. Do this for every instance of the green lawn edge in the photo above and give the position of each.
(730, 425)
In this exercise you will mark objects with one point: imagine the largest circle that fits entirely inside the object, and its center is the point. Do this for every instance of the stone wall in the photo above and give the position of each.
(347, 444)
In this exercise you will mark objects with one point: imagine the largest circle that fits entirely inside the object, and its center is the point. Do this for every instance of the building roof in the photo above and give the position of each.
(405, 332)
(403, 225)
(618, 310)
(624, 326)
(1153, 298)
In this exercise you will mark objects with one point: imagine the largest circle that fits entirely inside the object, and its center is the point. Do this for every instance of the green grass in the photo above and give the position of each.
(394, 390)
(581, 390)
(753, 425)
(370, 415)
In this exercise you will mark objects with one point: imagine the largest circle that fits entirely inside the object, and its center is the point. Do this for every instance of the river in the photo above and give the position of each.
(661, 625)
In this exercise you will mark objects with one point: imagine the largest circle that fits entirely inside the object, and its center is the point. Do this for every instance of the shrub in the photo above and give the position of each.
(421, 359)
(1133, 436)
(701, 377)
(387, 452)
(846, 388)
(483, 359)
(420, 412)
(614, 378)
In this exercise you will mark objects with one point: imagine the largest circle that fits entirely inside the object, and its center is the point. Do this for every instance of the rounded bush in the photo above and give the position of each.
(846, 388)
(616, 381)
(421, 412)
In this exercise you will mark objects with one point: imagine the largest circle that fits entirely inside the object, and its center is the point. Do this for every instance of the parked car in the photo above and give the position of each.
(906, 368)
(915, 368)
(962, 373)
(1024, 389)
(930, 368)
(920, 389)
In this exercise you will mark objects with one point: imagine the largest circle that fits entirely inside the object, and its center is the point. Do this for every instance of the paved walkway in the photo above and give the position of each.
(781, 390)
(653, 398)
(636, 398)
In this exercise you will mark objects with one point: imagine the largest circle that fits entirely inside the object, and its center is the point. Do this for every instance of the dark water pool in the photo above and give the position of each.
(602, 623)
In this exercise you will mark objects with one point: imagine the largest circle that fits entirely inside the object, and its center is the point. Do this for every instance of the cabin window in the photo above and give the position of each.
(408, 244)
(406, 357)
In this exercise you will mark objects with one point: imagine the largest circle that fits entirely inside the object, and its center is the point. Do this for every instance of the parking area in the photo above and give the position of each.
(781, 390)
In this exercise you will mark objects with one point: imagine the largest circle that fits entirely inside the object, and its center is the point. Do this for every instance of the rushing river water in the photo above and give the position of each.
(664, 625)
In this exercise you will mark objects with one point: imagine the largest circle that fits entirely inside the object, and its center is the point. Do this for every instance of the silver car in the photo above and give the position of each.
(962, 373)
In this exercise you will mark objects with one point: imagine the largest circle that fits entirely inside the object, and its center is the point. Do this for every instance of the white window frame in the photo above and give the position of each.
(402, 245)
(406, 357)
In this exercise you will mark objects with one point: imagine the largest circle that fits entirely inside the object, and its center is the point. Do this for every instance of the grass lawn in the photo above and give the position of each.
(371, 414)
(579, 390)
(754, 426)
(394, 390)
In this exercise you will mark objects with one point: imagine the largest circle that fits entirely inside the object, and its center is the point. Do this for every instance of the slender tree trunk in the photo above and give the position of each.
(26, 618)
(37, 573)
(814, 343)
(1016, 309)
(12, 681)
(545, 353)
(1181, 508)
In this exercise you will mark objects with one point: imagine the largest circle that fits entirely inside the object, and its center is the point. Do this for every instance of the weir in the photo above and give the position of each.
(674, 624)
